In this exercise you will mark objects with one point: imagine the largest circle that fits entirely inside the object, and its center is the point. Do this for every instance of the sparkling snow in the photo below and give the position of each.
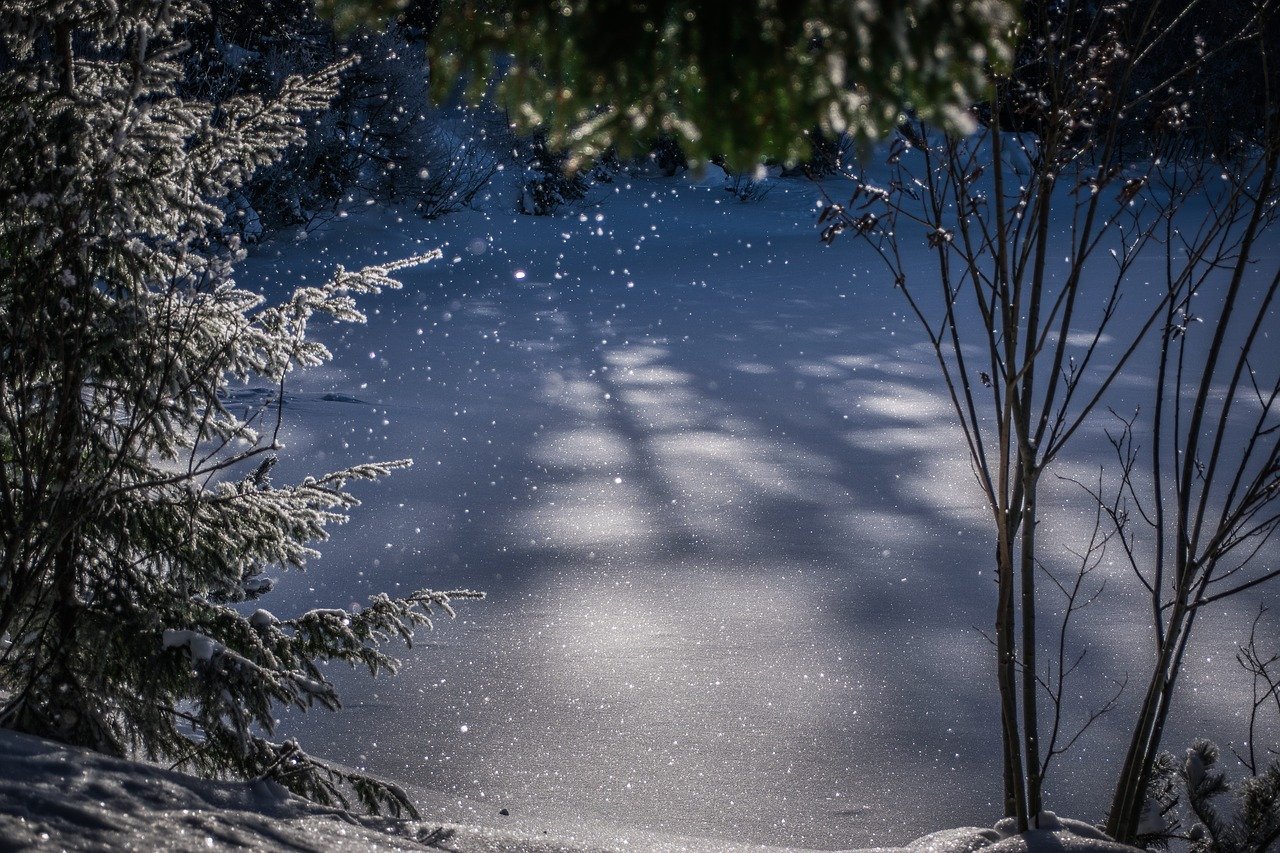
(54, 797)
(735, 557)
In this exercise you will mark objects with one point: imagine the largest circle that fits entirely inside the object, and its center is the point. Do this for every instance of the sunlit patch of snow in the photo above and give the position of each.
(538, 346)
(906, 403)
(852, 362)
(651, 375)
(633, 356)
(578, 395)
(484, 309)
(883, 528)
(591, 512)
(946, 484)
(586, 447)
(732, 467)
(1082, 339)
(897, 438)
(816, 369)
(754, 368)
(663, 407)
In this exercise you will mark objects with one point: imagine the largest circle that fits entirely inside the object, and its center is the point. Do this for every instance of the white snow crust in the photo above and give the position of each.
(736, 559)
(54, 797)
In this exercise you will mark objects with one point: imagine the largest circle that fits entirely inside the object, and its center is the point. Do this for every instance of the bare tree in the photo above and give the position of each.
(1077, 595)
(1264, 672)
(1196, 518)
(1079, 158)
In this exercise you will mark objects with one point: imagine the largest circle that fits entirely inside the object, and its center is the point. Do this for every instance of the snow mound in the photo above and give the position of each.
(54, 797)
(710, 176)
(1055, 835)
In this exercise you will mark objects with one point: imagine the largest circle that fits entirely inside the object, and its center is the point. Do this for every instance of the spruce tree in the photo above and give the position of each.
(1222, 817)
(137, 511)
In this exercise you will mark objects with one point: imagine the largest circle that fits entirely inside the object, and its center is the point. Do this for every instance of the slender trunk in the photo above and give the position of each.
(1030, 717)
(61, 644)
(1015, 804)
(1129, 797)
(1119, 818)
(1006, 651)
(1161, 702)
(1028, 477)
(1130, 794)
(68, 446)
(66, 58)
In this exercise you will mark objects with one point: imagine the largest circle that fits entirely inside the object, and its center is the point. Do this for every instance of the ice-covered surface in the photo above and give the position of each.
(735, 557)
(54, 797)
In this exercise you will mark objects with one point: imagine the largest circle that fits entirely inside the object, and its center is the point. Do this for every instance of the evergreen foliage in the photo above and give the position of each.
(735, 79)
(667, 155)
(550, 181)
(1224, 818)
(747, 188)
(137, 512)
(379, 137)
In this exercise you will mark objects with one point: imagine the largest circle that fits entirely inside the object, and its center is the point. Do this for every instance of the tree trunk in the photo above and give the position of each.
(1129, 798)
(1030, 717)
(1015, 803)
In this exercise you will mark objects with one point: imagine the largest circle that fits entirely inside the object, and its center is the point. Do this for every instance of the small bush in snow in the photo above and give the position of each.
(827, 155)
(668, 156)
(447, 172)
(606, 167)
(746, 188)
(549, 180)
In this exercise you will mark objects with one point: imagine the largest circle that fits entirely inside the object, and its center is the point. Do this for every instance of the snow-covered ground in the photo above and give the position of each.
(54, 797)
(735, 557)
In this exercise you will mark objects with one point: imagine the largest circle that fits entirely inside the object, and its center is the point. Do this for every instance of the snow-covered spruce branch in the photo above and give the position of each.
(355, 637)
(287, 323)
(240, 126)
(324, 782)
(1191, 791)
(276, 663)
(232, 655)
(235, 342)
